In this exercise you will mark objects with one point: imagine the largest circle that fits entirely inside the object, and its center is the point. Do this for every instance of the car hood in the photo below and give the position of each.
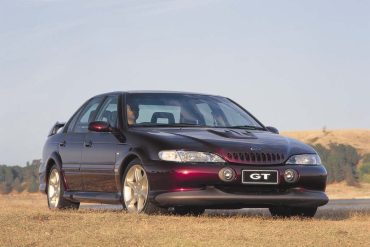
(234, 145)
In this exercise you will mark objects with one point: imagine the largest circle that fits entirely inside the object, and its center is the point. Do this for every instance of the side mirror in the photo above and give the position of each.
(272, 129)
(100, 126)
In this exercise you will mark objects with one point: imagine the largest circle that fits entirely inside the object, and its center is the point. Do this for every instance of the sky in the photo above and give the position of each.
(296, 65)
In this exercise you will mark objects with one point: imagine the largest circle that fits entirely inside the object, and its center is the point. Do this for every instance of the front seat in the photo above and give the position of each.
(163, 115)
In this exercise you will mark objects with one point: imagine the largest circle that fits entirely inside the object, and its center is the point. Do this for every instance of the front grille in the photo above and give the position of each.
(258, 158)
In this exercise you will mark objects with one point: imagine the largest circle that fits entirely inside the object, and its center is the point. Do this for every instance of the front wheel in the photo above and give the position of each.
(135, 191)
(55, 191)
(305, 212)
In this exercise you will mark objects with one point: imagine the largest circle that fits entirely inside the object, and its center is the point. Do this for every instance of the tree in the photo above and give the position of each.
(17, 185)
(16, 178)
(341, 162)
(34, 185)
(364, 169)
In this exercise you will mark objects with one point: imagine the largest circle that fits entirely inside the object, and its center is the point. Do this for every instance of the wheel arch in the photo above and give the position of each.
(123, 165)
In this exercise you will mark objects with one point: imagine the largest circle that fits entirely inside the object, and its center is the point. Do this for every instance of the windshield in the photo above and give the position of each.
(172, 109)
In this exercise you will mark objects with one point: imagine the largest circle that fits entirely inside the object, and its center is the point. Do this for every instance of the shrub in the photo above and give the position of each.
(341, 162)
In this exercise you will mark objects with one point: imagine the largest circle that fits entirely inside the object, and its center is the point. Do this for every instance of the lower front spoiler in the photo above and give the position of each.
(212, 197)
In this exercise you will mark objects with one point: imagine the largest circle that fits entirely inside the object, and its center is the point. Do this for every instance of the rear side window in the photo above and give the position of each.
(87, 115)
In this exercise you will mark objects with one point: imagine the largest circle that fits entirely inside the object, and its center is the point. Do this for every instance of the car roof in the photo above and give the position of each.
(153, 92)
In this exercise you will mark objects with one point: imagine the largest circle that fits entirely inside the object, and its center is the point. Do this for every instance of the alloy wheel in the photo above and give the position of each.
(135, 189)
(54, 188)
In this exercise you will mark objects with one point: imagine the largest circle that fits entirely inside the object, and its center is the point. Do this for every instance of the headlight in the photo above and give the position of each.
(189, 156)
(304, 159)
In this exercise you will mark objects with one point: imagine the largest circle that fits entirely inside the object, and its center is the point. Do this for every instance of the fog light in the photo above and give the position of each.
(226, 174)
(290, 176)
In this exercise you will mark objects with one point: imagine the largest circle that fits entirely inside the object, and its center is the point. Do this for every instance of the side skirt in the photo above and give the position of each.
(93, 197)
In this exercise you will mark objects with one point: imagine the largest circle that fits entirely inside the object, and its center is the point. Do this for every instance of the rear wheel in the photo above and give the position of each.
(306, 212)
(135, 191)
(55, 191)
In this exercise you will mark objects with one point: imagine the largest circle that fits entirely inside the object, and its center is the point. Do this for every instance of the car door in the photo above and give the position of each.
(70, 148)
(99, 152)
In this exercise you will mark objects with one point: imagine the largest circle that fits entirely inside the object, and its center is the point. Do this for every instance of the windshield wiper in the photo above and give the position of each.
(249, 127)
(168, 125)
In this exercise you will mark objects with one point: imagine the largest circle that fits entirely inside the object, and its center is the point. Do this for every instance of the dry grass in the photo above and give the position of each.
(359, 139)
(343, 191)
(26, 221)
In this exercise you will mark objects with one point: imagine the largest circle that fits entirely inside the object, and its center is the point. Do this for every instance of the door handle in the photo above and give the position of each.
(88, 144)
(62, 144)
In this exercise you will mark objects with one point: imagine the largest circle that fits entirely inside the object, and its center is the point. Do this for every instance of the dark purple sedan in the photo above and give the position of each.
(159, 152)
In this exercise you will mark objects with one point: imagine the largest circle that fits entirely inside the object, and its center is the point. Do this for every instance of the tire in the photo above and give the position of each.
(303, 212)
(191, 211)
(55, 191)
(135, 191)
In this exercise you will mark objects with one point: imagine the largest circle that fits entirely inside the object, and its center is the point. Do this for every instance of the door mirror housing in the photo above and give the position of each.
(272, 129)
(100, 126)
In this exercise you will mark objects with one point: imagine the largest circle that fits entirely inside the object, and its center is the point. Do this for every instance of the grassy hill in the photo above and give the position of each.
(345, 153)
(357, 138)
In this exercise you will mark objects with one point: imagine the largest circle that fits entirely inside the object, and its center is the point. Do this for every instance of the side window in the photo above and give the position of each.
(108, 112)
(72, 123)
(87, 115)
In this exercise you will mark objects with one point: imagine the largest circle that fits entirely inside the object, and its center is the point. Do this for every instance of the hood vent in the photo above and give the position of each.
(258, 158)
(233, 134)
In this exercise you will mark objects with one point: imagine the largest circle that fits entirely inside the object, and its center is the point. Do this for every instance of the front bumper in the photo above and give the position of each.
(212, 197)
(167, 176)
(174, 184)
